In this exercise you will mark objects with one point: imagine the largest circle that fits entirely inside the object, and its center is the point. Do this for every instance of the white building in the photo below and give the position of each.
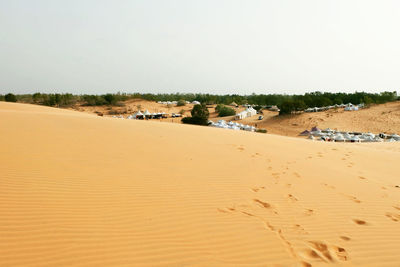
(249, 112)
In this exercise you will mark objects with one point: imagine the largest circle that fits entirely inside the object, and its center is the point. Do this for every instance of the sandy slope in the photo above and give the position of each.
(376, 119)
(81, 190)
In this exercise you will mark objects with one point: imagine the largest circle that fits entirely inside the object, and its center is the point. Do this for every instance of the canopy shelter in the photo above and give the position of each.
(138, 115)
(147, 114)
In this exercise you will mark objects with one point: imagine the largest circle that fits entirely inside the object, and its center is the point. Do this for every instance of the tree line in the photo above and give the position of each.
(293, 102)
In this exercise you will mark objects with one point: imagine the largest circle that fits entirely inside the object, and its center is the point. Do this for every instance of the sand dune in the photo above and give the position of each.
(82, 190)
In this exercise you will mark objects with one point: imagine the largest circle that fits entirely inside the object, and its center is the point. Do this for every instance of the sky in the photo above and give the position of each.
(199, 46)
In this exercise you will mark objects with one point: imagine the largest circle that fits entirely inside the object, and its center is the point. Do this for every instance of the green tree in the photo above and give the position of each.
(10, 98)
(368, 100)
(199, 116)
(110, 99)
(181, 103)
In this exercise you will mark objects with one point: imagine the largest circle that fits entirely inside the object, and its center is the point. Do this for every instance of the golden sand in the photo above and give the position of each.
(82, 190)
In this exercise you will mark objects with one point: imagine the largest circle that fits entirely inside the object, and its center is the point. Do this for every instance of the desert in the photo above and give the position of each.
(79, 189)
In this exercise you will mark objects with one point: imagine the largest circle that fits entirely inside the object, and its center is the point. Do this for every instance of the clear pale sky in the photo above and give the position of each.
(209, 46)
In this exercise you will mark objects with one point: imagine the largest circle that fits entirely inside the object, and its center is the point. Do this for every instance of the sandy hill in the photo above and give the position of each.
(133, 105)
(82, 190)
(376, 119)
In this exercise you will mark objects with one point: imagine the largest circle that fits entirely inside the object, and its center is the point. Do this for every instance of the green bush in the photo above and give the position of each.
(219, 107)
(181, 103)
(261, 130)
(10, 98)
(225, 111)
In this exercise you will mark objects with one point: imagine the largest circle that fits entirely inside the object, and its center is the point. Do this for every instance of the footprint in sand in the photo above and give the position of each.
(248, 214)
(345, 238)
(362, 177)
(309, 212)
(321, 251)
(263, 204)
(256, 189)
(393, 216)
(351, 164)
(329, 186)
(305, 264)
(297, 175)
(354, 199)
(292, 198)
(300, 229)
(223, 211)
(359, 222)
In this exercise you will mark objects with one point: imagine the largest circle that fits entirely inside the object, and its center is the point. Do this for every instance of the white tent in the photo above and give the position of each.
(251, 112)
(241, 115)
(146, 113)
(396, 137)
(339, 138)
(138, 114)
(246, 113)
